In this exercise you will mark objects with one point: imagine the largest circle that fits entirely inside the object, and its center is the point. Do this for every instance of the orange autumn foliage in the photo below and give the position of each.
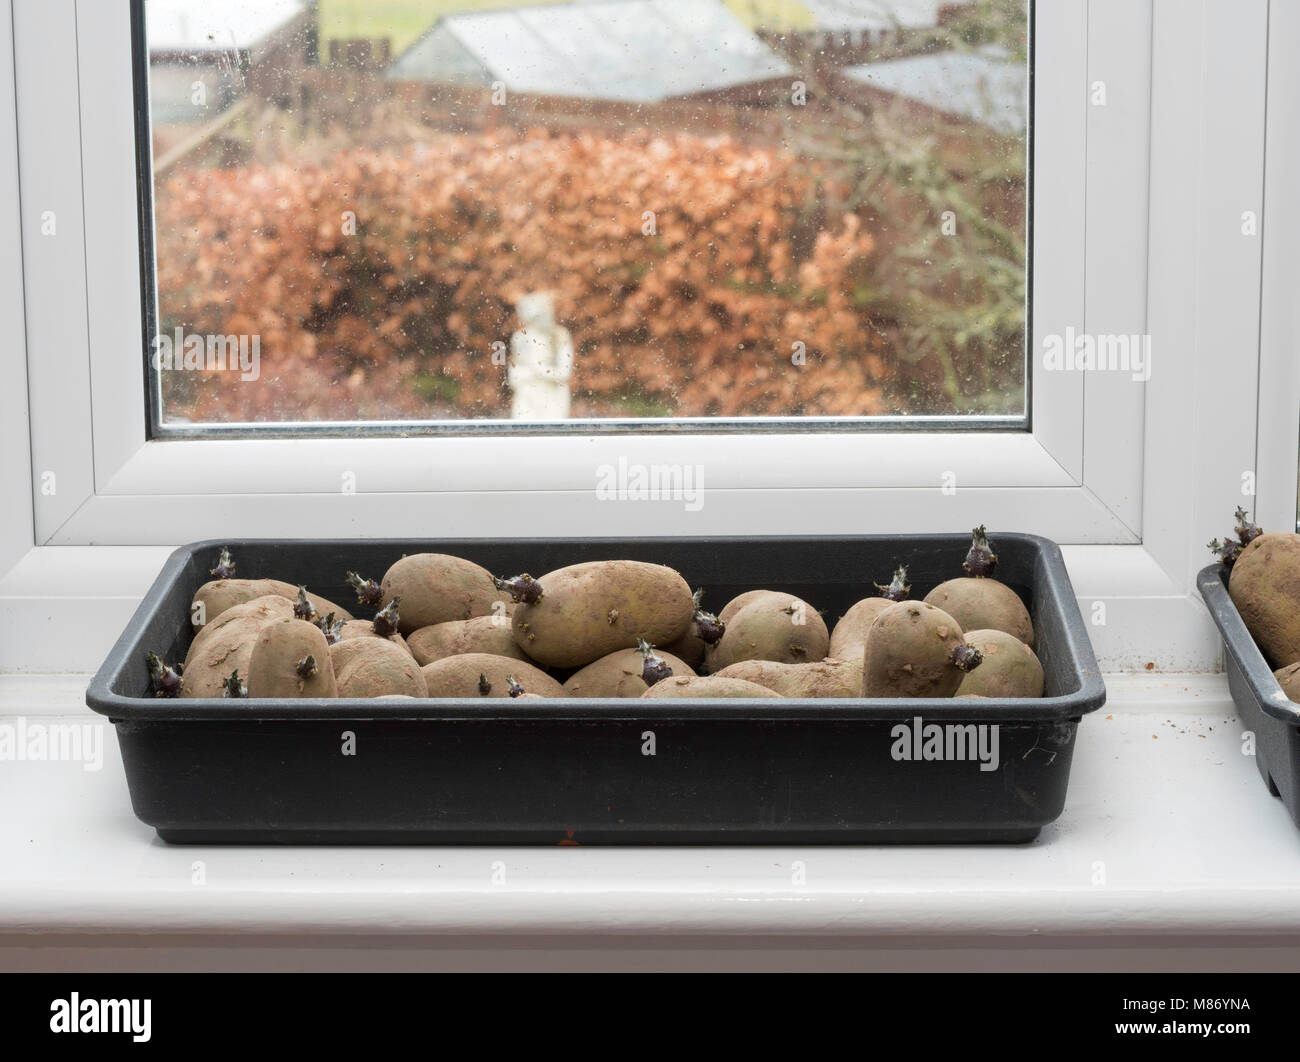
(688, 270)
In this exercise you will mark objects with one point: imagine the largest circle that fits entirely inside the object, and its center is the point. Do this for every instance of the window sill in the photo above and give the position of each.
(1169, 841)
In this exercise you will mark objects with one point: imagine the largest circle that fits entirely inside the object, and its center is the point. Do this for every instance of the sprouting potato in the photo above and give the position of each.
(486, 675)
(437, 588)
(375, 667)
(624, 674)
(771, 626)
(1009, 668)
(1288, 678)
(984, 604)
(215, 597)
(291, 658)
(978, 601)
(481, 634)
(708, 687)
(1265, 587)
(741, 600)
(823, 678)
(705, 630)
(916, 650)
(578, 614)
(366, 629)
(225, 644)
(849, 638)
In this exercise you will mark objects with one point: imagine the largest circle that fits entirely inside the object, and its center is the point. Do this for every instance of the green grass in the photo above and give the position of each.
(630, 402)
(403, 21)
(774, 15)
(436, 388)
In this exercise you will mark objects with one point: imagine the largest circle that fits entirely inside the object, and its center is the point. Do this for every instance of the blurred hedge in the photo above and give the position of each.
(748, 258)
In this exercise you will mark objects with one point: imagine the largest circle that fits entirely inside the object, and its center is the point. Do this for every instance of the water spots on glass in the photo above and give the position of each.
(378, 193)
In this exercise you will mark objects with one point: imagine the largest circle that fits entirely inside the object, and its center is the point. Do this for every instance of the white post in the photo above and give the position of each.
(541, 361)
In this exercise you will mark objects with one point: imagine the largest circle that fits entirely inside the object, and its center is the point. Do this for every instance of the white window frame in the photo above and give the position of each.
(1132, 477)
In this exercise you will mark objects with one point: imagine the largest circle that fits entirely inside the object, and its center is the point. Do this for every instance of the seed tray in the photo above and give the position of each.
(1261, 705)
(591, 771)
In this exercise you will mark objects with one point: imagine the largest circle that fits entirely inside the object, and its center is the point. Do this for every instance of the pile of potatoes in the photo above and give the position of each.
(1264, 584)
(443, 627)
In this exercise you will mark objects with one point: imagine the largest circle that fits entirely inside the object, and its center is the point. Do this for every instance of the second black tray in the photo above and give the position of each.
(1261, 704)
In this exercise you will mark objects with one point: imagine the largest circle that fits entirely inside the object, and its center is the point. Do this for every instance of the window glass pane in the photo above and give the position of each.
(479, 210)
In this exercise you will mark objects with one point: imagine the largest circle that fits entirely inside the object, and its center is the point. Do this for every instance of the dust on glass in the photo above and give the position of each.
(473, 210)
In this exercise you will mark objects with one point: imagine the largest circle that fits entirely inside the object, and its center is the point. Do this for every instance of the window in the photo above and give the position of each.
(483, 211)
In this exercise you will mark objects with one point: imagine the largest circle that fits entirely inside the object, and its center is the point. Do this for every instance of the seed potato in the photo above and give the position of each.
(437, 588)
(824, 678)
(772, 626)
(366, 629)
(849, 638)
(915, 650)
(459, 676)
(1288, 678)
(1265, 587)
(225, 644)
(1009, 668)
(710, 686)
(482, 634)
(620, 675)
(291, 658)
(375, 667)
(221, 594)
(590, 610)
(984, 604)
(741, 600)
(704, 630)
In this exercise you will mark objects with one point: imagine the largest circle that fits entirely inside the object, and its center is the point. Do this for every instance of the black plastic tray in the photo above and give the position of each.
(1261, 704)
(573, 770)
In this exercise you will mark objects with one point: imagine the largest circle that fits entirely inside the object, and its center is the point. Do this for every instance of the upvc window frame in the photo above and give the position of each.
(117, 485)
(1133, 477)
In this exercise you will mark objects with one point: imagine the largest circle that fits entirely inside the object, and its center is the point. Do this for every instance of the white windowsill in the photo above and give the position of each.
(1198, 860)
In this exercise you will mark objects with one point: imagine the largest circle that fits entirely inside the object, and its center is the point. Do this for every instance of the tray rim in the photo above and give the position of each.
(1090, 696)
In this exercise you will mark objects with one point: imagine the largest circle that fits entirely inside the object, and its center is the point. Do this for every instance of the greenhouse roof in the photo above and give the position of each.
(983, 86)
